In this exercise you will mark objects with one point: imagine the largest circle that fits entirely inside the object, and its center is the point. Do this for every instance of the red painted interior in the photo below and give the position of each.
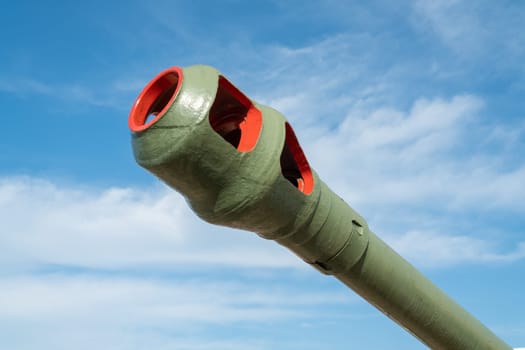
(233, 112)
(305, 183)
(155, 99)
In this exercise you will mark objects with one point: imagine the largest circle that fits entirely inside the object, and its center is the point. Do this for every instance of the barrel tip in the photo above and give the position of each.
(155, 99)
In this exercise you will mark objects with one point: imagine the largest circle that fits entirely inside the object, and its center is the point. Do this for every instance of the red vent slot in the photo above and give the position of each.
(294, 166)
(234, 117)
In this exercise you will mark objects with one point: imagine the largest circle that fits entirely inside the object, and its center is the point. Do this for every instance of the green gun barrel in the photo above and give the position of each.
(239, 164)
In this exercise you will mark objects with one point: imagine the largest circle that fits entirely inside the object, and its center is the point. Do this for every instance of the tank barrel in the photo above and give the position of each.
(239, 164)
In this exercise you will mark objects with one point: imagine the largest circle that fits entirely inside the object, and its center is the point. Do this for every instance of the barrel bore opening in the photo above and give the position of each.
(294, 166)
(155, 99)
(234, 117)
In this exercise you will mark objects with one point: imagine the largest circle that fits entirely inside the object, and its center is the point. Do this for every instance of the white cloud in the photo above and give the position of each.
(429, 154)
(150, 301)
(26, 86)
(112, 96)
(475, 31)
(434, 249)
(134, 274)
(118, 227)
(425, 120)
(450, 23)
(64, 312)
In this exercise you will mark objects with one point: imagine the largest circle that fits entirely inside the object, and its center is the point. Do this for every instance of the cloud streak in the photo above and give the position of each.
(432, 249)
(474, 30)
(112, 96)
(64, 311)
(433, 153)
(118, 227)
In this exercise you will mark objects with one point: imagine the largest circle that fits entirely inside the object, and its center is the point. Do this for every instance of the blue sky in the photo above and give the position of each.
(412, 111)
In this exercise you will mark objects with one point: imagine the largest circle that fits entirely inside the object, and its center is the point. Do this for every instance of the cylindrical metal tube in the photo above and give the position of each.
(239, 164)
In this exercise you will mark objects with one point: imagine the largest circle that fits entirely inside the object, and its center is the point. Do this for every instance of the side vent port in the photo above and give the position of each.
(294, 166)
(234, 117)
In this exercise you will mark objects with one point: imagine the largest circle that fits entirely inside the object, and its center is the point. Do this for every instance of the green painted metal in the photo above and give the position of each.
(247, 190)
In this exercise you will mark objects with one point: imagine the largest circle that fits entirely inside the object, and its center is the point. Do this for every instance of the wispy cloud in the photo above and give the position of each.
(160, 301)
(435, 152)
(60, 311)
(475, 31)
(26, 86)
(120, 228)
(435, 249)
(111, 96)
(117, 227)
